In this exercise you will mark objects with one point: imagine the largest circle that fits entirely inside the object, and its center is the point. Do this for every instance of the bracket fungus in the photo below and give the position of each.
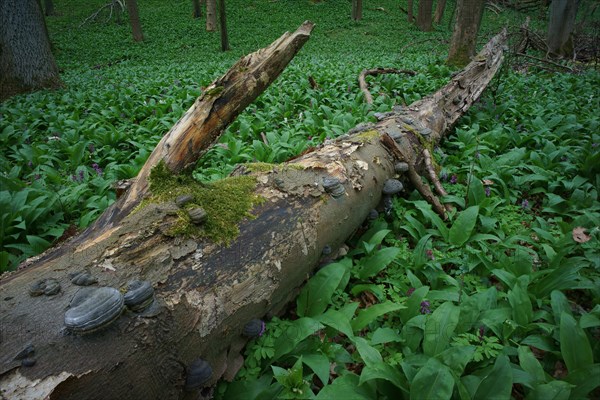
(82, 278)
(197, 215)
(139, 295)
(254, 328)
(49, 287)
(93, 308)
(198, 374)
(334, 187)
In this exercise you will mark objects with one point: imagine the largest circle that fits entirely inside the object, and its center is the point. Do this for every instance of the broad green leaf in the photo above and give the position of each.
(584, 380)
(319, 364)
(428, 213)
(476, 191)
(377, 290)
(386, 372)
(316, 295)
(574, 344)
(346, 387)
(433, 381)
(369, 354)
(463, 226)
(555, 390)
(518, 297)
(457, 358)
(368, 315)
(559, 304)
(439, 328)
(337, 321)
(299, 330)
(378, 237)
(413, 304)
(412, 332)
(373, 264)
(530, 364)
(420, 257)
(589, 320)
(498, 383)
(259, 388)
(385, 335)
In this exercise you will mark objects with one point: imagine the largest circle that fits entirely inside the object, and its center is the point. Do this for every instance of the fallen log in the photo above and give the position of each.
(72, 344)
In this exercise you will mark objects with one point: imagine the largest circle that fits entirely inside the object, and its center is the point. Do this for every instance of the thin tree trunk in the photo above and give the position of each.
(560, 27)
(26, 60)
(211, 15)
(424, 16)
(134, 19)
(409, 11)
(440, 7)
(49, 7)
(357, 10)
(223, 23)
(464, 34)
(197, 13)
(205, 292)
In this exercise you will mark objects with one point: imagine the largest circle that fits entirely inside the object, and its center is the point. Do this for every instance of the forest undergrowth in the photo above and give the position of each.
(500, 301)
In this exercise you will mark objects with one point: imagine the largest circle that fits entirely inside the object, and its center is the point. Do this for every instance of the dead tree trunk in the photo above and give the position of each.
(205, 292)
(211, 15)
(424, 15)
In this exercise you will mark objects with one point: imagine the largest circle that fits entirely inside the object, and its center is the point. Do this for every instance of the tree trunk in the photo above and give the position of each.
(26, 60)
(560, 27)
(223, 23)
(134, 19)
(357, 10)
(211, 15)
(409, 11)
(197, 9)
(49, 7)
(424, 16)
(464, 34)
(440, 7)
(206, 292)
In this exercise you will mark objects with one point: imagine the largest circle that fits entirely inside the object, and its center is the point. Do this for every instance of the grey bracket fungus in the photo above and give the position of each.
(400, 167)
(392, 186)
(48, 287)
(183, 199)
(94, 308)
(198, 374)
(254, 328)
(373, 215)
(139, 295)
(83, 278)
(326, 250)
(334, 187)
(197, 215)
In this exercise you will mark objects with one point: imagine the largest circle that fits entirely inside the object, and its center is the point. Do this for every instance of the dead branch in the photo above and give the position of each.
(362, 83)
(546, 61)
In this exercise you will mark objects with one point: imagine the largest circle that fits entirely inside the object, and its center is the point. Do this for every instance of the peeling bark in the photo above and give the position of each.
(206, 292)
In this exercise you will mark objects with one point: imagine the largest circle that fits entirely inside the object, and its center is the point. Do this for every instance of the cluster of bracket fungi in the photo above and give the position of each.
(197, 214)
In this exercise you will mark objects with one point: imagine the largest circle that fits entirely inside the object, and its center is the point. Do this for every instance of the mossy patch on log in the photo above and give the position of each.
(226, 202)
(366, 136)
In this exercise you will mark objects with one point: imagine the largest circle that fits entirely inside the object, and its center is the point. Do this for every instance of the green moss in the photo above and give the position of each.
(260, 167)
(226, 202)
(214, 91)
(366, 136)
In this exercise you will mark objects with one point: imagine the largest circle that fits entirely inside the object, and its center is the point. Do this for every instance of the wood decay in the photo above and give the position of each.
(205, 292)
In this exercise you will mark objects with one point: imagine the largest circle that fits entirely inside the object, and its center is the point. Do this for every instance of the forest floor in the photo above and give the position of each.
(501, 301)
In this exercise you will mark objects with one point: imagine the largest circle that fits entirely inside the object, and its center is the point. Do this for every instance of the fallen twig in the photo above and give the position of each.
(546, 61)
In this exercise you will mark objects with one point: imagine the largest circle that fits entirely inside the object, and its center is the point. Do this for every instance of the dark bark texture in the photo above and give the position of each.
(48, 8)
(197, 13)
(357, 10)
(206, 292)
(424, 15)
(223, 26)
(560, 27)
(26, 60)
(464, 34)
(134, 19)
(440, 7)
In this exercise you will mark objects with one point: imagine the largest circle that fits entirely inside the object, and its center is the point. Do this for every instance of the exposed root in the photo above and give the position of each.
(413, 176)
(377, 71)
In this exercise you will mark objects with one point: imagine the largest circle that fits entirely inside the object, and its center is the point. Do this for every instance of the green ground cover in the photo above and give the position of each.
(501, 301)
